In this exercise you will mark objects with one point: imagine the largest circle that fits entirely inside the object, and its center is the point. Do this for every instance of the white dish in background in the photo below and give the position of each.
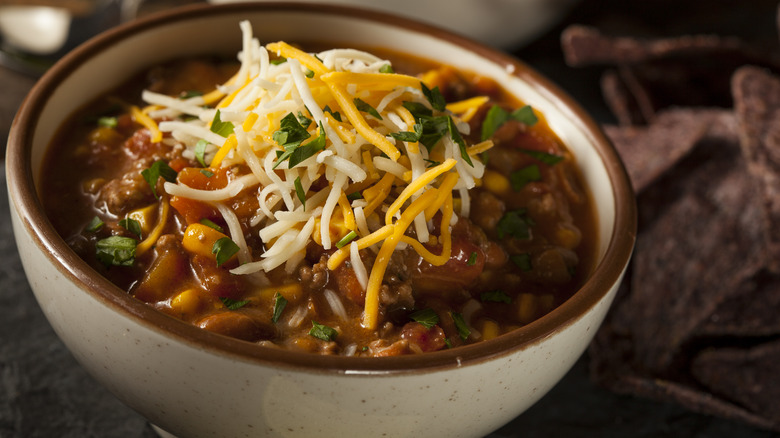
(506, 24)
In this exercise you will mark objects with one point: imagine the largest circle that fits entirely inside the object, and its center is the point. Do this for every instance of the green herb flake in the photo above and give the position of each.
(520, 178)
(211, 224)
(435, 97)
(361, 105)
(116, 251)
(279, 304)
(525, 115)
(472, 259)
(207, 173)
(289, 136)
(233, 304)
(515, 223)
(221, 128)
(279, 60)
(427, 317)
(456, 137)
(495, 296)
(303, 120)
(158, 169)
(354, 195)
(346, 239)
(323, 332)
(309, 73)
(94, 225)
(497, 116)
(131, 225)
(544, 157)
(303, 152)
(108, 122)
(224, 249)
(522, 261)
(335, 114)
(408, 136)
(387, 68)
(299, 191)
(200, 152)
(460, 324)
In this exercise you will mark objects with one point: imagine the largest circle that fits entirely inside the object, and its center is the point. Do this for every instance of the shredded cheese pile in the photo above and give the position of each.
(359, 155)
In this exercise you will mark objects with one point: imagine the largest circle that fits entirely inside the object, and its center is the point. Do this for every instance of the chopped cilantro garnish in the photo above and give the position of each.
(456, 137)
(515, 223)
(335, 114)
(354, 195)
(290, 136)
(496, 296)
(522, 261)
(520, 178)
(211, 224)
(116, 251)
(346, 239)
(155, 171)
(387, 68)
(279, 303)
(219, 127)
(299, 191)
(131, 225)
(411, 137)
(427, 317)
(207, 173)
(233, 304)
(108, 122)
(95, 224)
(279, 60)
(417, 109)
(361, 105)
(224, 249)
(460, 324)
(200, 151)
(323, 332)
(544, 157)
(497, 116)
(434, 96)
(431, 163)
(303, 120)
(472, 259)
(309, 73)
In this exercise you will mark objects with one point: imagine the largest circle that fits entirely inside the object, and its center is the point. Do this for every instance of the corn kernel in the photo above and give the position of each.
(568, 237)
(490, 329)
(291, 292)
(495, 182)
(186, 303)
(145, 217)
(527, 307)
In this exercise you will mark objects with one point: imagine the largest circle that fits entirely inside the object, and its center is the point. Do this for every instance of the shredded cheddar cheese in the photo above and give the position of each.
(324, 141)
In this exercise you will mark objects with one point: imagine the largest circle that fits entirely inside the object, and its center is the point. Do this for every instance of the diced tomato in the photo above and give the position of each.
(348, 284)
(203, 179)
(427, 339)
(193, 211)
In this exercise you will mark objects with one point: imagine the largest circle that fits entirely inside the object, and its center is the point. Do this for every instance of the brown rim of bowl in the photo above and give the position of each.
(24, 196)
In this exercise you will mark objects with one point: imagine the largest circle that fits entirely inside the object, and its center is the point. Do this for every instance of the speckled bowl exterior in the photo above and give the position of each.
(190, 382)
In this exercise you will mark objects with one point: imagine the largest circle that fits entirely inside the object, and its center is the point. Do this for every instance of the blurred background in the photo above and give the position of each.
(44, 392)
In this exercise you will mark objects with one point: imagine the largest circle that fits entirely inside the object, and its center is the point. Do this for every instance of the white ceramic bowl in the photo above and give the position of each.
(194, 383)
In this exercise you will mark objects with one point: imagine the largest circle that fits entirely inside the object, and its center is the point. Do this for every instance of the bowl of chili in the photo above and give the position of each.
(361, 222)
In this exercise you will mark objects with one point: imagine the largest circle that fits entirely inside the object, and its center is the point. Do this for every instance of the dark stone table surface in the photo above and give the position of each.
(45, 393)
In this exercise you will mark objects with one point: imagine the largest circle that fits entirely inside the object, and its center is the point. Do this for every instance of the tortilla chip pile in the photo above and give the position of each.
(697, 320)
